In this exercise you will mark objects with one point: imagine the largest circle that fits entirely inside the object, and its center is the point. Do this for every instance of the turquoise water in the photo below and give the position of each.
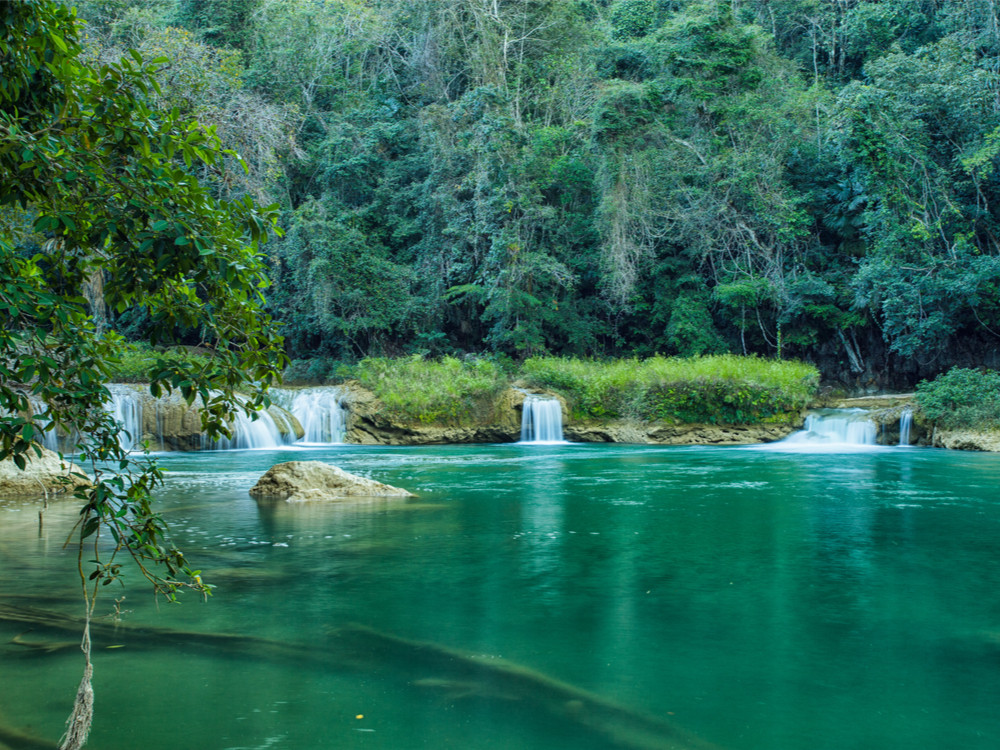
(741, 597)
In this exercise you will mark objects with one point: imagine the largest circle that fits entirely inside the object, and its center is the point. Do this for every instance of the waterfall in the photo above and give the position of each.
(126, 408)
(320, 411)
(905, 423)
(833, 430)
(853, 428)
(248, 434)
(541, 420)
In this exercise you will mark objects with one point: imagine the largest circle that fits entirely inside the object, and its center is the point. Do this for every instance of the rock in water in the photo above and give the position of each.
(45, 474)
(300, 481)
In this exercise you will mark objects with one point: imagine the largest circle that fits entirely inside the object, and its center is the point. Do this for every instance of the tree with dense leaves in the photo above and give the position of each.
(97, 184)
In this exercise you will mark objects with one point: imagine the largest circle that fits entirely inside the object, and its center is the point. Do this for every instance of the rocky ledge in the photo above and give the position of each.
(303, 481)
(967, 440)
(681, 434)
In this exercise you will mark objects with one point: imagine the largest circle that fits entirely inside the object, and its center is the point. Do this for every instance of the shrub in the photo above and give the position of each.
(961, 398)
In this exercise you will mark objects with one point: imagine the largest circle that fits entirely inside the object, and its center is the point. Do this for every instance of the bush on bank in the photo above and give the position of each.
(714, 389)
(961, 398)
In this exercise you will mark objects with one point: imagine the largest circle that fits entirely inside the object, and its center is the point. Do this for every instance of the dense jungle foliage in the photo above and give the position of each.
(796, 178)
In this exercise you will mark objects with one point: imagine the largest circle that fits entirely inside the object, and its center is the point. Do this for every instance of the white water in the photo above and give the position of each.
(832, 430)
(126, 407)
(320, 411)
(541, 420)
(905, 423)
(248, 434)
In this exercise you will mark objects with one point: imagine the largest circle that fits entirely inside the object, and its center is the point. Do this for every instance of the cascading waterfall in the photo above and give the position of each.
(248, 434)
(541, 420)
(833, 429)
(905, 423)
(320, 411)
(126, 407)
(850, 429)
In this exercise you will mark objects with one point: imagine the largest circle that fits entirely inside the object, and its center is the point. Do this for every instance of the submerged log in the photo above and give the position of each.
(15, 740)
(431, 666)
(472, 675)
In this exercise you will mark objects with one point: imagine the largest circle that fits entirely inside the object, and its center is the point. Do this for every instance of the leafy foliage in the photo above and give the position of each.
(961, 398)
(107, 181)
(616, 178)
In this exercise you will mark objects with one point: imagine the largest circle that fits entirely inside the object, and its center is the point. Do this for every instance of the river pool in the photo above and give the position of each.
(540, 597)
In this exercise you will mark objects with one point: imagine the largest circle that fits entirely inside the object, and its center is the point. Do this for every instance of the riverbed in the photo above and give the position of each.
(539, 597)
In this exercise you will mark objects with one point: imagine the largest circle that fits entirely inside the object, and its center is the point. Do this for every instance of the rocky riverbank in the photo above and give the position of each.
(168, 423)
(369, 424)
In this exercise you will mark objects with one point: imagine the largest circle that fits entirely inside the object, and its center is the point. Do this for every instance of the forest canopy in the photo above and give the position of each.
(796, 178)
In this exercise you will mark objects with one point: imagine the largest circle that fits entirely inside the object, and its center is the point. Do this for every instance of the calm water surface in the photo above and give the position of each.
(755, 599)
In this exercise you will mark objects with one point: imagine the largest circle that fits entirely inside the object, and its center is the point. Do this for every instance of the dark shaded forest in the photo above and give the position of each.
(812, 179)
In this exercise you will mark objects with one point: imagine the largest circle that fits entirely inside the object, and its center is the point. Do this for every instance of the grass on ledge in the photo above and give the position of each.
(434, 391)
(720, 389)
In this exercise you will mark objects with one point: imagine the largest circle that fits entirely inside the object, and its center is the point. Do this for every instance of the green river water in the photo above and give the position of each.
(738, 598)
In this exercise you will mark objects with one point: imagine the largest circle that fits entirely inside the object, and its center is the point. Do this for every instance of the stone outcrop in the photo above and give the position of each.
(888, 422)
(680, 434)
(369, 424)
(881, 401)
(967, 440)
(44, 475)
(302, 481)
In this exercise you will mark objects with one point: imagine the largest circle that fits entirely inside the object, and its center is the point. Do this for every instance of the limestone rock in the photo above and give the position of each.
(301, 481)
(42, 475)
(968, 440)
(659, 433)
(369, 423)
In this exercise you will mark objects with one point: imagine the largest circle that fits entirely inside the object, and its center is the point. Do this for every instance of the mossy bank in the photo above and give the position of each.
(702, 400)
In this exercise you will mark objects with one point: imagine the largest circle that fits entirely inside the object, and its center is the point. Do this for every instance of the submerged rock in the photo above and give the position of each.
(45, 474)
(301, 481)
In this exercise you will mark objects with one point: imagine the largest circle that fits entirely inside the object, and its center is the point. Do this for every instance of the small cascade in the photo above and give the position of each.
(126, 407)
(541, 420)
(848, 429)
(905, 423)
(320, 411)
(248, 434)
(833, 429)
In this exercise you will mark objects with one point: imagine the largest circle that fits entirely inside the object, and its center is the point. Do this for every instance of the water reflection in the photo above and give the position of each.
(764, 601)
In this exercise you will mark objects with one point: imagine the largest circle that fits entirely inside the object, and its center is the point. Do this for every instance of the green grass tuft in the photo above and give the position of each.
(720, 389)
(434, 391)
